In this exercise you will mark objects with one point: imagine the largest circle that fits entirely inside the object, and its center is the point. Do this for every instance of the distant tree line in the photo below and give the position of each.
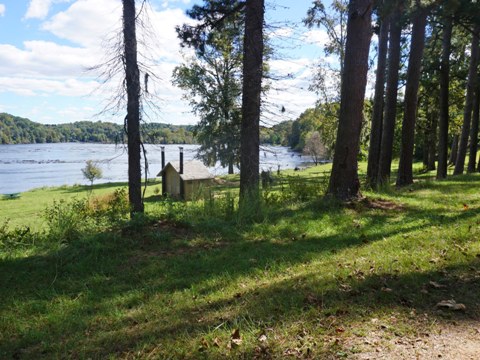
(17, 130)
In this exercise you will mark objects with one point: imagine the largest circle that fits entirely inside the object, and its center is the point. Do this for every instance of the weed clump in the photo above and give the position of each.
(70, 220)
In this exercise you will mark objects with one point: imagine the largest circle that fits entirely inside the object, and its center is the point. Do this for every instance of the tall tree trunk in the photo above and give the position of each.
(454, 150)
(344, 183)
(474, 132)
(252, 88)
(405, 173)
(376, 131)
(390, 114)
(432, 141)
(133, 108)
(444, 99)
(426, 139)
(467, 114)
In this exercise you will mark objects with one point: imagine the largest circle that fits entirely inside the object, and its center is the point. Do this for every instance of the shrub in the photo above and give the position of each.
(113, 207)
(17, 238)
(301, 189)
(68, 221)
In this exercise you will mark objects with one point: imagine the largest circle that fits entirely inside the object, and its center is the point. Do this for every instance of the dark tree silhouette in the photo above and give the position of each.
(344, 183)
(391, 92)
(444, 99)
(467, 114)
(251, 100)
(378, 104)
(474, 132)
(132, 120)
(405, 173)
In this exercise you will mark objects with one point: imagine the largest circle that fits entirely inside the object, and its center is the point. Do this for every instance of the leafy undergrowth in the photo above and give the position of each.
(306, 279)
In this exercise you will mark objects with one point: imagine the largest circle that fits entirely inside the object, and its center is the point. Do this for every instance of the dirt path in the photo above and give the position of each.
(459, 342)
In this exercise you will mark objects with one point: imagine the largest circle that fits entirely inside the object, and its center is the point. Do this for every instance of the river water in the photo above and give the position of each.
(25, 167)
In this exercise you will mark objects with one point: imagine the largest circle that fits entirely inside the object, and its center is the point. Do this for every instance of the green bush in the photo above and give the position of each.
(17, 238)
(301, 189)
(67, 221)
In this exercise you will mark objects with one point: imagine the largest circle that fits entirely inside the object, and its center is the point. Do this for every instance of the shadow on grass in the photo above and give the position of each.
(111, 295)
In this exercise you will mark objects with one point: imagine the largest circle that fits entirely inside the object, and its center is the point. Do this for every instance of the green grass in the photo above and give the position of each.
(28, 210)
(302, 280)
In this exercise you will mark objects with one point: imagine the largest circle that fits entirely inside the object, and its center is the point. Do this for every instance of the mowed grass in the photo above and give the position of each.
(29, 209)
(196, 281)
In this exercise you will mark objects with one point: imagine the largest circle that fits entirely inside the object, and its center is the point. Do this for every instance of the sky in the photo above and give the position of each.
(46, 47)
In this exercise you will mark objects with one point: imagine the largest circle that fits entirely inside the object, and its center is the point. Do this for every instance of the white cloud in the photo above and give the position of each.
(316, 37)
(42, 87)
(2, 9)
(281, 32)
(167, 3)
(38, 9)
(86, 22)
(43, 58)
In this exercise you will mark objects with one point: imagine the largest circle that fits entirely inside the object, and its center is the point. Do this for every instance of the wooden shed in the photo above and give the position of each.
(185, 181)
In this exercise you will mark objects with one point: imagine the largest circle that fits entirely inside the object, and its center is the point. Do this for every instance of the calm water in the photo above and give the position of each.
(25, 167)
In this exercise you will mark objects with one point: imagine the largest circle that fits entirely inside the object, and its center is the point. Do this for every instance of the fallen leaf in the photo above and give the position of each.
(465, 207)
(386, 289)
(203, 345)
(235, 338)
(340, 330)
(216, 342)
(292, 352)
(235, 334)
(262, 338)
(437, 285)
(451, 305)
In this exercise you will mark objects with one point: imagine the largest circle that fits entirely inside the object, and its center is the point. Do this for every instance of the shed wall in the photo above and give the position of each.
(173, 182)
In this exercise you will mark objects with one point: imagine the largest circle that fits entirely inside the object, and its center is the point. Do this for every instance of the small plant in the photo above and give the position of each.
(92, 172)
(156, 190)
(300, 189)
(66, 221)
(12, 239)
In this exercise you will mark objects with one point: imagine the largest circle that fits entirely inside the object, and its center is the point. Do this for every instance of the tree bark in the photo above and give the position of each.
(454, 151)
(467, 114)
(377, 118)
(390, 114)
(405, 173)
(344, 183)
(432, 141)
(251, 100)
(474, 132)
(132, 78)
(444, 100)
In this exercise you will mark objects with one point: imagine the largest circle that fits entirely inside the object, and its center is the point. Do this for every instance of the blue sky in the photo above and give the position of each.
(46, 45)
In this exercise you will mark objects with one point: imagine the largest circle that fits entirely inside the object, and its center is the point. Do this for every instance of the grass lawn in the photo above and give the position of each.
(311, 278)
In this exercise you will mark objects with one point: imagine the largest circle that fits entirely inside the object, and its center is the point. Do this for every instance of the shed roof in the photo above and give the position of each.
(192, 170)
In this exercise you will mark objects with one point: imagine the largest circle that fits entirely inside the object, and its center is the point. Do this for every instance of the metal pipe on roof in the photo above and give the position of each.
(181, 159)
(163, 156)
